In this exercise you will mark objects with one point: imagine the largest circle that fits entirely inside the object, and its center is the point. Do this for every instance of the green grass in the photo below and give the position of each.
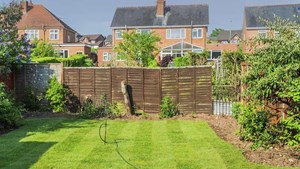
(72, 143)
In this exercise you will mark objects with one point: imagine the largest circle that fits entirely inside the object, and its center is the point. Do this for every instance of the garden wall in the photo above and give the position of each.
(190, 87)
(35, 75)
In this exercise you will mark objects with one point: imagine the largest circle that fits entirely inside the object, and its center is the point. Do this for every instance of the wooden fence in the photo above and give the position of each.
(191, 87)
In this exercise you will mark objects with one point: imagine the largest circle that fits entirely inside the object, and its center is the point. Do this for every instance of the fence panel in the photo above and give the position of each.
(189, 87)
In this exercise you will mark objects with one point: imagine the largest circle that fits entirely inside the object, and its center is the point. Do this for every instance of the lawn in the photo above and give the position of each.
(72, 143)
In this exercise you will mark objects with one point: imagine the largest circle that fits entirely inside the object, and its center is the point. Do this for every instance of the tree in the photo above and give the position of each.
(138, 49)
(274, 78)
(215, 32)
(13, 48)
(42, 49)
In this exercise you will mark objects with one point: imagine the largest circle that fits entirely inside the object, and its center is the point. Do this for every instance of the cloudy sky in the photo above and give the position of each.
(95, 16)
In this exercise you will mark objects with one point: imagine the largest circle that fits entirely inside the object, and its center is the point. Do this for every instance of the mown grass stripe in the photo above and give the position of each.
(162, 154)
(143, 148)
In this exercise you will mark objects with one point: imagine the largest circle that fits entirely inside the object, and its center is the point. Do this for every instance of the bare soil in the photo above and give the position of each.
(226, 128)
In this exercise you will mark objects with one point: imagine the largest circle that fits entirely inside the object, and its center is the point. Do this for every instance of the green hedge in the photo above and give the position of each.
(73, 61)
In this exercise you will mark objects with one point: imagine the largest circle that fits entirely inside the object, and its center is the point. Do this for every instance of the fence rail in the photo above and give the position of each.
(190, 87)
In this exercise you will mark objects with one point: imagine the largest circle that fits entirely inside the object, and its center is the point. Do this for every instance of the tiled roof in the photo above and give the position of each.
(175, 15)
(228, 34)
(94, 37)
(254, 14)
(39, 16)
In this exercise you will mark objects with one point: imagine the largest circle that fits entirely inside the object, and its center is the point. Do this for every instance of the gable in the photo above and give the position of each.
(39, 16)
(177, 15)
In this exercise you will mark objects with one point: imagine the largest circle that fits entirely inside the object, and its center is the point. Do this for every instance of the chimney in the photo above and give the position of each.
(25, 7)
(160, 8)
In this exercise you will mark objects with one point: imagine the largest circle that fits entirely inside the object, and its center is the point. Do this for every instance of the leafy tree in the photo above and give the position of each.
(192, 59)
(274, 78)
(13, 48)
(138, 49)
(215, 32)
(42, 49)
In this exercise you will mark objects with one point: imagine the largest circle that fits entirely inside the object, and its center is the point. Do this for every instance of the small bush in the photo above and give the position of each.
(89, 110)
(236, 109)
(167, 108)
(10, 112)
(56, 94)
(31, 100)
(117, 109)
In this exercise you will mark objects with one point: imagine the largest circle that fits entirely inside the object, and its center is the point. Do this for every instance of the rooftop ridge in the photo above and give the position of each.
(271, 5)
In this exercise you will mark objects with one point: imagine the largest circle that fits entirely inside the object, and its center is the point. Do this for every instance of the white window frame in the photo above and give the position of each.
(197, 31)
(32, 34)
(147, 31)
(62, 51)
(263, 33)
(211, 52)
(119, 34)
(106, 56)
(55, 33)
(170, 33)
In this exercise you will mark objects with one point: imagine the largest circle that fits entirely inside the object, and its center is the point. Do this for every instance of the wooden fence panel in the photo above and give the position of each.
(118, 75)
(203, 90)
(186, 91)
(191, 88)
(103, 84)
(152, 90)
(169, 83)
(136, 87)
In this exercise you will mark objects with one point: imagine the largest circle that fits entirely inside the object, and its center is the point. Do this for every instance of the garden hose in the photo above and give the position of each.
(116, 141)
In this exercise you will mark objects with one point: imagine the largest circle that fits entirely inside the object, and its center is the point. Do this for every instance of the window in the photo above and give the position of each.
(32, 34)
(119, 34)
(54, 34)
(64, 53)
(197, 33)
(215, 54)
(79, 52)
(106, 56)
(143, 31)
(175, 33)
(262, 33)
(69, 38)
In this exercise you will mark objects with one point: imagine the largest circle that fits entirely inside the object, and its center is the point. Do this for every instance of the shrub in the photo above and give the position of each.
(181, 61)
(43, 49)
(56, 95)
(10, 112)
(31, 100)
(236, 109)
(117, 109)
(89, 110)
(168, 108)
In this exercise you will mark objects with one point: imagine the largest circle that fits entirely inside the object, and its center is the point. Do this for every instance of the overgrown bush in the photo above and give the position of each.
(10, 112)
(56, 94)
(191, 59)
(89, 110)
(42, 49)
(117, 109)
(236, 109)
(78, 60)
(168, 108)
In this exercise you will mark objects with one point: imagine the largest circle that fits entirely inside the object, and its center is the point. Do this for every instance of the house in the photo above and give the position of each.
(253, 25)
(95, 40)
(182, 28)
(227, 40)
(41, 24)
(105, 52)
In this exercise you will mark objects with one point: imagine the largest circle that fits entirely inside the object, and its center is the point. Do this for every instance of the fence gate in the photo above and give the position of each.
(223, 95)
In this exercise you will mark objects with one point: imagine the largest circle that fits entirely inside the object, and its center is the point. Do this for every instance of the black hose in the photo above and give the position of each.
(115, 142)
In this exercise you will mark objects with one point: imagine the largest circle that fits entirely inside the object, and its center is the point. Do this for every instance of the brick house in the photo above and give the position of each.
(95, 40)
(253, 26)
(227, 40)
(39, 23)
(182, 28)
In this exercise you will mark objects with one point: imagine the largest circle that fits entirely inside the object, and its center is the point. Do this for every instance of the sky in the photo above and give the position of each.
(95, 16)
